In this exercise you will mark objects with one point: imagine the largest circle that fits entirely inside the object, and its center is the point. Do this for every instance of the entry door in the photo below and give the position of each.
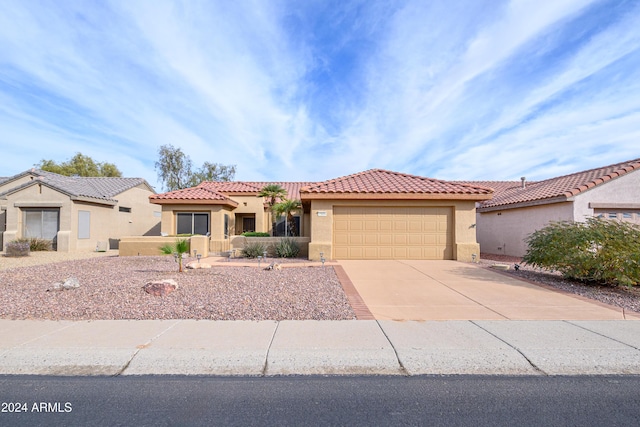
(248, 224)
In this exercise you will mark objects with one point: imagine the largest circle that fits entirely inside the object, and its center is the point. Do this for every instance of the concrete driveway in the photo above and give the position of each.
(451, 290)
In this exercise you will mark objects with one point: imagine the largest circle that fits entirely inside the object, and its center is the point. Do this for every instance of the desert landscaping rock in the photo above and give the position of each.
(112, 289)
(160, 288)
(70, 283)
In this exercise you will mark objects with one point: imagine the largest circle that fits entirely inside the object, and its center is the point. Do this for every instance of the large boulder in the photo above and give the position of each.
(160, 288)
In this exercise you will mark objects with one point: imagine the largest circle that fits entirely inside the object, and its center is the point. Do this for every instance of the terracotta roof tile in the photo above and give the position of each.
(379, 181)
(292, 188)
(562, 187)
(191, 194)
(231, 186)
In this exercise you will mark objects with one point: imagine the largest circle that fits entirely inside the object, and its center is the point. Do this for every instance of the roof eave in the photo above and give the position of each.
(527, 204)
(108, 202)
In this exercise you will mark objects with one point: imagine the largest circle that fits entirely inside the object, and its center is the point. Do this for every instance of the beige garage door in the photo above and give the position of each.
(392, 233)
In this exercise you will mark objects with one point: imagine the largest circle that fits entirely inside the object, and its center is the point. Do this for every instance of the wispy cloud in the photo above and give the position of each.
(313, 90)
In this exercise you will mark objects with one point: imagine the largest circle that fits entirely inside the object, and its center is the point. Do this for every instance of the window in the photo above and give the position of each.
(84, 224)
(192, 223)
(123, 209)
(226, 226)
(626, 215)
(41, 223)
(612, 215)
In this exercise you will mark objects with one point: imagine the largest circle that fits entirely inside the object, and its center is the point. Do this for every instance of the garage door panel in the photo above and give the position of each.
(340, 225)
(385, 239)
(392, 233)
(371, 239)
(384, 252)
(371, 225)
(371, 252)
(356, 225)
(385, 225)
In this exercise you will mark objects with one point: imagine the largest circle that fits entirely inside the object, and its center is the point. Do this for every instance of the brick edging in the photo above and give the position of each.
(357, 303)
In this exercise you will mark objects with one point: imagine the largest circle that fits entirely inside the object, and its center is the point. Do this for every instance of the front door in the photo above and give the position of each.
(248, 224)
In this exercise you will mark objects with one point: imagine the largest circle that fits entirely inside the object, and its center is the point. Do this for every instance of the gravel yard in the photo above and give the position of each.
(623, 297)
(111, 288)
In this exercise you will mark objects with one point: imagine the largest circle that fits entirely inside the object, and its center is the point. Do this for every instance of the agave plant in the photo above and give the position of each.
(180, 247)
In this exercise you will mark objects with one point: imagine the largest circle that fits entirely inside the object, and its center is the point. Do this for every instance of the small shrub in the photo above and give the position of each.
(178, 249)
(253, 250)
(17, 249)
(36, 244)
(255, 234)
(287, 248)
(596, 251)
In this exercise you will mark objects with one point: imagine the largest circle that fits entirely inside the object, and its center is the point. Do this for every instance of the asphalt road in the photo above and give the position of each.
(348, 401)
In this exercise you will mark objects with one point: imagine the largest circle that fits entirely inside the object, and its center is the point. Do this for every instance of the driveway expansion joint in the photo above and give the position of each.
(600, 334)
(454, 290)
(265, 367)
(529, 361)
(403, 370)
(141, 347)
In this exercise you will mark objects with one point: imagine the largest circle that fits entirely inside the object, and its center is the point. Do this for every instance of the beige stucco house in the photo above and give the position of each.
(76, 213)
(375, 214)
(519, 208)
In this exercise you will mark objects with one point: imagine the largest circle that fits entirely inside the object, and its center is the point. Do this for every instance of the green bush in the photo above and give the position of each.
(253, 250)
(287, 248)
(597, 251)
(36, 244)
(255, 234)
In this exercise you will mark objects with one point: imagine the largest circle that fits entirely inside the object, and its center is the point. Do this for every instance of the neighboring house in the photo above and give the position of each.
(519, 208)
(375, 214)
(75, 213)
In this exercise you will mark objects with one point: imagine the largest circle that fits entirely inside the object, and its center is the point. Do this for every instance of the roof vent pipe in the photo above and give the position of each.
(524, 181)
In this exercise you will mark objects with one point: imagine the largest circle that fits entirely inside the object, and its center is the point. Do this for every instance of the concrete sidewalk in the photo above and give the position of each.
(266, 348)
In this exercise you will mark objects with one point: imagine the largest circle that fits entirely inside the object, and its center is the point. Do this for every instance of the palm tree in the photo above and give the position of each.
(181, 246)
(272, 192)
(287, 207)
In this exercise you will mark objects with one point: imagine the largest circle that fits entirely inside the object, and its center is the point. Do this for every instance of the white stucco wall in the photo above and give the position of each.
(622, 190)
(504, 232)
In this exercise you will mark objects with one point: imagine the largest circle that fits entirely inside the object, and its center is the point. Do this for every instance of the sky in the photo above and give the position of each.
(313, 90)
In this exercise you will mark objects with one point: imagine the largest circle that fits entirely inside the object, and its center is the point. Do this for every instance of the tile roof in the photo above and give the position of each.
(192, 194)
(254, 187)
(511, 194)
(100, 188)
(375, 181)
(379, 182)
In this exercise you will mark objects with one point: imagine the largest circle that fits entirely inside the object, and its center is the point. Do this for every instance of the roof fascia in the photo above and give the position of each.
(552, 200)
(85, 199)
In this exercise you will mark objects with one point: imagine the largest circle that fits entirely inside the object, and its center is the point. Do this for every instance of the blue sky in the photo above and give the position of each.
(316, 89)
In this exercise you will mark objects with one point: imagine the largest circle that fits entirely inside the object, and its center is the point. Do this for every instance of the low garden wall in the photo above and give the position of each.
(150, 245)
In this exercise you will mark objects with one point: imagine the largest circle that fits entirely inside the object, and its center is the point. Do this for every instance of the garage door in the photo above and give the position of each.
(392, 233)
